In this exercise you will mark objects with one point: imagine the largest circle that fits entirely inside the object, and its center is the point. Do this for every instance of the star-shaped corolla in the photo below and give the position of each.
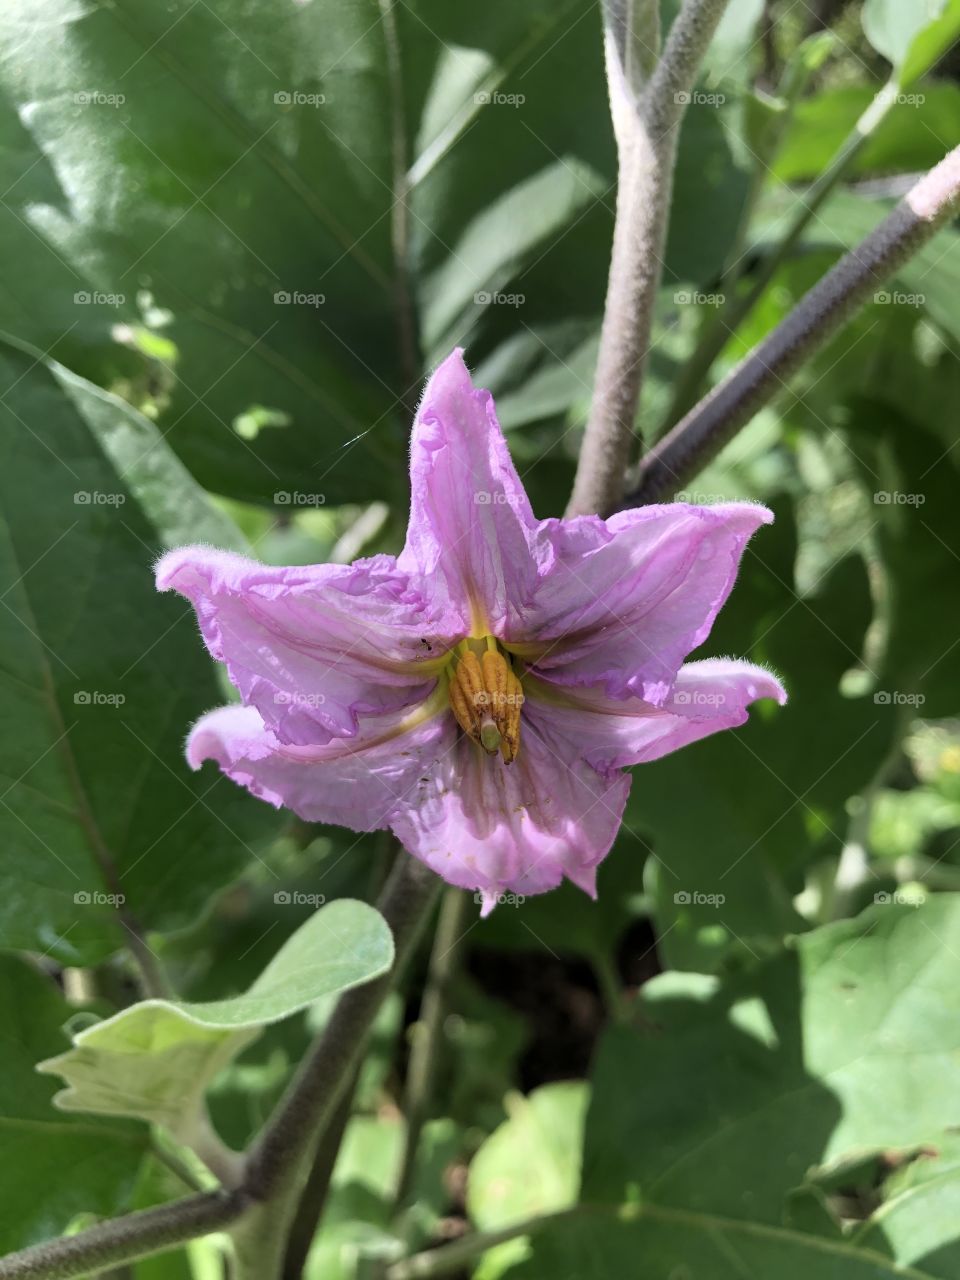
(482, 693)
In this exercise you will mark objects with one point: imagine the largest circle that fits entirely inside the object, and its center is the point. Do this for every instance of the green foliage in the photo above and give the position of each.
(236, 237)
(155, 1060)
(713, 1120)
(102, 821)
(531, 1163)
(54, 1166)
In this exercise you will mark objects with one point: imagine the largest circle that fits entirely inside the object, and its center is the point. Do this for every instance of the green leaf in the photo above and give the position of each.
(735, 819)
(809, 1060)
(919, 1226)
(712, 1248)
(155, 1060)
(911, 36)
(220, 187)
(912, 479)
(103, 825)
(54, 1166)
(914, 135)
(531, 1163)
(726, 1099)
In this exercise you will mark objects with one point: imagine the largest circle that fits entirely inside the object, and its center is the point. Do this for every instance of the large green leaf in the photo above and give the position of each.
(919, 1226)
(182, 169)
(700, 1246)
(734, 819)
(155, 1060)
(54, 1166)
(912, 479)
(102, 678)
(715, 1117)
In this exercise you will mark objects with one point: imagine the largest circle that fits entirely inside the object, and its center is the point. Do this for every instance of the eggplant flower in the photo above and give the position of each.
(482, 693)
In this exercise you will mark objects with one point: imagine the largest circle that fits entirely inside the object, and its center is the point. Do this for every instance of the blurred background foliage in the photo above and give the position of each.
(236, 237)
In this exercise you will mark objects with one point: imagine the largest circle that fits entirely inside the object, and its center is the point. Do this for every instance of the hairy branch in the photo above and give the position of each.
(279, 1161)
(646, 123)
(704, 431)
(122, 1240)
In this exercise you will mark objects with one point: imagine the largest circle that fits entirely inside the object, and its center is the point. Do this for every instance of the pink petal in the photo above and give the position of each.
(470, 520)
(707, 697)
(520, 828)
(624, 601)
(353, 782)
(313, 648)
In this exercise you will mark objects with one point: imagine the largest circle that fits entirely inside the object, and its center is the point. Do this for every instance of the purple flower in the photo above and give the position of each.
(482, 693)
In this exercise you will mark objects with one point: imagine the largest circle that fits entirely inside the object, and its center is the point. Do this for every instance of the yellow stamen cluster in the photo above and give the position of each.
(486, 698)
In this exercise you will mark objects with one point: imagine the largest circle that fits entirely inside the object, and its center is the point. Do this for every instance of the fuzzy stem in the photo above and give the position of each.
(317, 1188)
(700, 436)
(426, 1035)
(647, 126)
(137, 1235)
(278, 1163)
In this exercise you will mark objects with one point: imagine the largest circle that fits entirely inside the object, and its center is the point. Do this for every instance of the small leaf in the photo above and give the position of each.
(531, 1164)
(155, 1060)
(911, 36)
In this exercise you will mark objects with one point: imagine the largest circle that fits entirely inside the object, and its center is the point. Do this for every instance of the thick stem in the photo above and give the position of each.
(426, 1035)
(647, 129)
(278, 1163)
(317, 1188)
(122, 1240)
(847, 286)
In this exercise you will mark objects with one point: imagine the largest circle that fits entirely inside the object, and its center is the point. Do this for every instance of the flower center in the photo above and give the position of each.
(486, 697)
